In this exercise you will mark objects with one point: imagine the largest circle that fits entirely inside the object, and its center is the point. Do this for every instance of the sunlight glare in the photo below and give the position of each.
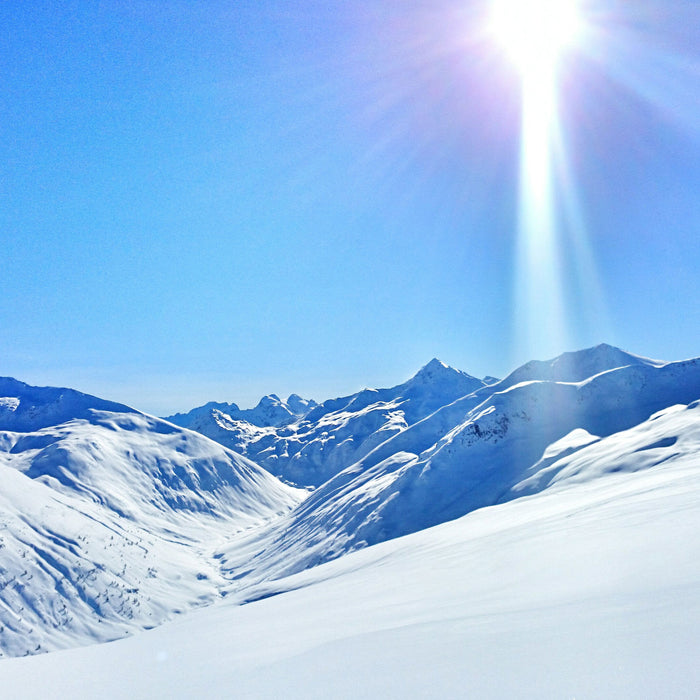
(534, 33)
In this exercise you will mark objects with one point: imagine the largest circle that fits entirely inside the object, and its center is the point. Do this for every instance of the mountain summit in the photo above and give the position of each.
(270, 411)
(487, 447)
(306, 443)
(577, 366)
(26, 408)
(309, 443)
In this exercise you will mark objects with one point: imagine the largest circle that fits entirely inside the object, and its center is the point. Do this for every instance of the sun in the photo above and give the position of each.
(534, 33)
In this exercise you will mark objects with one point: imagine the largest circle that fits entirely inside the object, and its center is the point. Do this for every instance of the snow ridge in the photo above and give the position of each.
(26, 408)
(473, 453)
(324, 439)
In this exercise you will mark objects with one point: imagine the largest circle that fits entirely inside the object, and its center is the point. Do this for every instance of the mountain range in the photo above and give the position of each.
(113, 521)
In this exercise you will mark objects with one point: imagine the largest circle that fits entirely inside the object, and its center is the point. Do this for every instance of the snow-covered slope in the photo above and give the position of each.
(442, 468)
(327, 438)
(589, 589)
(107, 517)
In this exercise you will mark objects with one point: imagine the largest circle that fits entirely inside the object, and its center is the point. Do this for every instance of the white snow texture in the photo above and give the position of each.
(530, 537)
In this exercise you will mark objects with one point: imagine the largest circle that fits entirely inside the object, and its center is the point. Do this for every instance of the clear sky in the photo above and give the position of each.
(218, 200)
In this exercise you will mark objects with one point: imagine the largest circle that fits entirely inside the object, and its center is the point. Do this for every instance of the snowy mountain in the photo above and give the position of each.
(589, 588)
(270, 411)
(577, 366)
(467, 455)
(112, 521)
(105, 515)
(321, 440)
(25, 408)
(326, 438)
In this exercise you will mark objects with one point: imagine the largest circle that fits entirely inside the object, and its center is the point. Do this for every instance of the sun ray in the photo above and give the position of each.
(643, 65)
(541, 322)
(649, 51)
(533, 36)
(592, 312)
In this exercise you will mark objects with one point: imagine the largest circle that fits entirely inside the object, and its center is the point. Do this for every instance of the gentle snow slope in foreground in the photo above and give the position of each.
(590, 589)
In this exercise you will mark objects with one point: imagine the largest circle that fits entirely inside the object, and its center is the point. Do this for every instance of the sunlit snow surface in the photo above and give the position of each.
(572, 568)
(108, 520)
(588, 590)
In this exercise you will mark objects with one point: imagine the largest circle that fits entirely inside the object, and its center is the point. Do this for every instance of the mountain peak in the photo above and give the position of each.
(577, 366)
(269, 400)
(299, 405)
(435, 363)
(436, 372)
(598, 358)
(433, 369)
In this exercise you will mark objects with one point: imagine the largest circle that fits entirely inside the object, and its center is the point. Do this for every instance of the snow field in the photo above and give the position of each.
(590, 592)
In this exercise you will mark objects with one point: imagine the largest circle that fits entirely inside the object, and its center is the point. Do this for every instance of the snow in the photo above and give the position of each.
(669, 435)
(270, 411)
(321, 440)
(530, 537)
(577, 366)
(107, 520)
(460, 459)
(592, 592)
(25, 408)
(9, 403)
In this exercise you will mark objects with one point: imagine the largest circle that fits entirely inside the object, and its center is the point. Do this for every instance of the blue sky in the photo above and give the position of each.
(218, 200)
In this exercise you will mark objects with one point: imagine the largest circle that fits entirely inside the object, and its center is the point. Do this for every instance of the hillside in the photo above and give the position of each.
(106, 518)
(590, 589)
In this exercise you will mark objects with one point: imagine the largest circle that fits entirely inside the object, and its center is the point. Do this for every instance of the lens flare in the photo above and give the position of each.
(539, 306)
(534, 35)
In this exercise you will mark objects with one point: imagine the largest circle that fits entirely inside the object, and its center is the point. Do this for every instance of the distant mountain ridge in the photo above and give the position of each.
(320, 440)
(309, 447)
(270, 411)
(481, 450)
(26, 408)
(577, 366)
